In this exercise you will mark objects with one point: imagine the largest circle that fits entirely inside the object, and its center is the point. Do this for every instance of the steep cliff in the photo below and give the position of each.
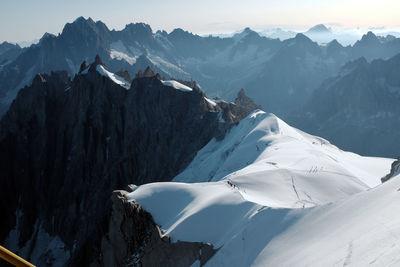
(133, 239)
(65, 145)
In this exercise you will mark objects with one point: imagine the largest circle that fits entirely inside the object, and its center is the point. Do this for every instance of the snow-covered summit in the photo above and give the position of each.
(248, 195)
(277, 165)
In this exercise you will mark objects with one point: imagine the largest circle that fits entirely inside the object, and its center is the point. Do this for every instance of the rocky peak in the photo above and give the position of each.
(302, 38)
(148, 72)
(243, 106)
(334, 44)
(139, 30)
(124, 74)
(139, 74)
(334, 47)
(83, 66)
(6, 46)
(395, 170)
(97, 61)
(85, 29)
(46, 36)
(38, 79)
(179, 34)
(247, 33)
(79, 24)
(243, 100)
(368, 39)
(246, 104)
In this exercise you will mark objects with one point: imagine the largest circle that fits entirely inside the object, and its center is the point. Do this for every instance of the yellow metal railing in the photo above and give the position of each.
(13, 259)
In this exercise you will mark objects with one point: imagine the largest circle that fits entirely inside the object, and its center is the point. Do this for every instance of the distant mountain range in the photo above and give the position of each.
(280, 74)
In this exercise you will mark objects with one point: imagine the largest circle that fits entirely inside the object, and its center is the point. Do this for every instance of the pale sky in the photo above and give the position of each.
(24, 20)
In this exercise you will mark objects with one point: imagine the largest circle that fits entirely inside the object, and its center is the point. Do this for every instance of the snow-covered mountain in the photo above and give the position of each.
(281, 74)
(302, 170)
(269, 194)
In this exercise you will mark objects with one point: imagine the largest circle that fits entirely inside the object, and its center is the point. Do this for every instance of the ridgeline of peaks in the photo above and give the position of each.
(281, 75)
(99, 136)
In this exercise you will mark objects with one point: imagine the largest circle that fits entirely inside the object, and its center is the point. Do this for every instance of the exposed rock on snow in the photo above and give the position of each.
(394, 171)
(134, 239)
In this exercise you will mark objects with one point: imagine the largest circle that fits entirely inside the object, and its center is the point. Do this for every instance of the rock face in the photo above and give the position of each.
(8, 52)
(65, 145)
(358, 109)
(395, 170)
(243, 105)
(133, 239)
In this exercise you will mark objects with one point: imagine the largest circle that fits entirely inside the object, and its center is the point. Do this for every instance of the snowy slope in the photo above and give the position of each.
(276, 165)
(362, 230)
(115, 78)
(177, 85)
(247, 196)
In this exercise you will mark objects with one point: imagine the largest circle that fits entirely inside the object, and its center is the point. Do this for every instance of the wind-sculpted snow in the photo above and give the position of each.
(276, 165)
(251, 201)
(358, 231)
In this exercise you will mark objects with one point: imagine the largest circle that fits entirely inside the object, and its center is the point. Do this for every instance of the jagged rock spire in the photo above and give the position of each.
(38, 79)
(395, 170)
(124, 74)
(139, 74)
(84, 66)
(148, 72)
(243, 100)
(97, 61)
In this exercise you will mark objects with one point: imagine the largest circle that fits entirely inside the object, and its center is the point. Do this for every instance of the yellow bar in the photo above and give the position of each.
(13, 259)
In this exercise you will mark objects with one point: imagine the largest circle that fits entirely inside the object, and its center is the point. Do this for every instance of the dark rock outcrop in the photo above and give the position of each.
(395, 170)
(83, 66)
(66, 145)
(148, 72)
(133, 239)
(124, 74)
(243, 105)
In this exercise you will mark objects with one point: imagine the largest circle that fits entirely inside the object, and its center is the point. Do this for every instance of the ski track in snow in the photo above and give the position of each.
(271, 195)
